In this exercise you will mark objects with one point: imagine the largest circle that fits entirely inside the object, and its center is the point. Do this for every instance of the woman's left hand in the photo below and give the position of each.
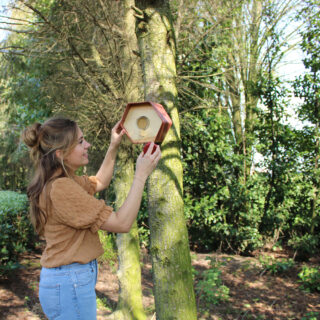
(116, 135)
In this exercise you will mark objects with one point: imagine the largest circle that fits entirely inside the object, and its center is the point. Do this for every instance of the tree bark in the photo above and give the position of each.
(129, 270)
(315, 197)
(173, 285)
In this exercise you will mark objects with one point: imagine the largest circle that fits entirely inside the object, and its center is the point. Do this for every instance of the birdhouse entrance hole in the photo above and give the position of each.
(143, 123)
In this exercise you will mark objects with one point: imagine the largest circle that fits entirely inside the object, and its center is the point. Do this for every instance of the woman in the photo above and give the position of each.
(66, 214)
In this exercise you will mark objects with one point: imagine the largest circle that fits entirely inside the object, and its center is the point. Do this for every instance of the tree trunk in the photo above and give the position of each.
(173, 285)
(129, 271)
(315, 196)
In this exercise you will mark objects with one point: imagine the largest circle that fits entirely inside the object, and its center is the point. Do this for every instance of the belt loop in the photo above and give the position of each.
(92, 265)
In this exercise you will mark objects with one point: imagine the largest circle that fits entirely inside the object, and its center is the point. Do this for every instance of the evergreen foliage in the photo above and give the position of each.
(310, 279)
(16, 232)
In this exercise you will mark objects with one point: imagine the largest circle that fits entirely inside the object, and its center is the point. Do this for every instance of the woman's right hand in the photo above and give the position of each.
(122, 220)
(147, 162)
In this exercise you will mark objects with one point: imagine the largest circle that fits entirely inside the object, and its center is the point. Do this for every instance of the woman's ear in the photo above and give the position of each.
(58, 154)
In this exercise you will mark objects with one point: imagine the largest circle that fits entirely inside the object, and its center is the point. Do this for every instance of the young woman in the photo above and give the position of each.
(66, 214)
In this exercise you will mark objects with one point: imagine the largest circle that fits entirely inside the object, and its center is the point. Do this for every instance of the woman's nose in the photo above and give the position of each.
(88, 145)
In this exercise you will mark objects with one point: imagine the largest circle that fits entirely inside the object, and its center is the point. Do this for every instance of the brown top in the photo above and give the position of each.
(74, 217)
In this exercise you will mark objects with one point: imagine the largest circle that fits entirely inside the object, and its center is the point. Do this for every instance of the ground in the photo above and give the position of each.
(253, 292)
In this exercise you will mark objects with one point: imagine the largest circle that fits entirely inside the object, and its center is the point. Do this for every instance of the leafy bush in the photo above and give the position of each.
(16, 231)
(222, 212)
(306, 246)
(274, 266)
(310, 278)
(311, 316)
(210, 288)
(14, 161)
(211, 224)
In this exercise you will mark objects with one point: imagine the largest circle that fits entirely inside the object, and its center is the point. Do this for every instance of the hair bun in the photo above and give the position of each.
(30, 136)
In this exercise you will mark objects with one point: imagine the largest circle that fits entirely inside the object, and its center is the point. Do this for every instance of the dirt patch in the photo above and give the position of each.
(253, 293)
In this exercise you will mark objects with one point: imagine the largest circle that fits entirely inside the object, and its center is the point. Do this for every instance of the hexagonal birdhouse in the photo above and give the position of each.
(145, 122)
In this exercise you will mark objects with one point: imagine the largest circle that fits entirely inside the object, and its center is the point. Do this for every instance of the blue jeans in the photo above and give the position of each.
(68, 292)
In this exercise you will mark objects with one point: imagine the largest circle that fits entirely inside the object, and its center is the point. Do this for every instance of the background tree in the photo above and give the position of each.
(93, 73)
(22, 101)
(173, 286)
(307, 87)
(129, 271)
(223, 49)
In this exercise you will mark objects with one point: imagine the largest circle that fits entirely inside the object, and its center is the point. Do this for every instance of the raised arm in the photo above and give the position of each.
(122, 220)
(105, 172)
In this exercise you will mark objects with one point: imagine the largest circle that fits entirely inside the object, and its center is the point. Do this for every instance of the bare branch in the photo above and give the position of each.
(17, 31)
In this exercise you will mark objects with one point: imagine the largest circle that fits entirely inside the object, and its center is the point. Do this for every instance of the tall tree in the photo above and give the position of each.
(173, 286)
(129, 271)
(223, 46)
(253, 26)
(308, 88)
(93, 72)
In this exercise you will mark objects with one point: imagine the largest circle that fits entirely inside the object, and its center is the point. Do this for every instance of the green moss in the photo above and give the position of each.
(173, 285)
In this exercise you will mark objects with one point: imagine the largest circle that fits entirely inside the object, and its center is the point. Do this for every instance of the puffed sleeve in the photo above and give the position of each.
(87, 183)
(75, 207)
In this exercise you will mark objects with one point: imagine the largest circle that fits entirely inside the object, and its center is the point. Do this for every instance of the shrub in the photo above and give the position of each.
(274, 266)
(14, 160)
(311, 316)
(16, 231)
(210, 288)
(306, 246)
(310, 279)
(211, 225)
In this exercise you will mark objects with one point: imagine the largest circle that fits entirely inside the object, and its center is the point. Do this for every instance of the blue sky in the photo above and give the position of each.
(3, 4)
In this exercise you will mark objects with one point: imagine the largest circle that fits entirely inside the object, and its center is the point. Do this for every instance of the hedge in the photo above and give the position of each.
(16, 231)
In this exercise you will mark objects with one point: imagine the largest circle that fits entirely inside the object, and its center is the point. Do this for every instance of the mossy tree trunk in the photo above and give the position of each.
(129, 271)
(173, 285)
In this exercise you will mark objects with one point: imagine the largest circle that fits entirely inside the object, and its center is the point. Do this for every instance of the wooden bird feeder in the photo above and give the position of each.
(145, 122)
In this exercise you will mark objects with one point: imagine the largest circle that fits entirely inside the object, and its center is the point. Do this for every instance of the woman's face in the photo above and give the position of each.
(79, 155)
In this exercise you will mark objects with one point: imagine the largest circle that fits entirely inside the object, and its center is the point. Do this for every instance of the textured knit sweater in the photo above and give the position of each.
(74, 217)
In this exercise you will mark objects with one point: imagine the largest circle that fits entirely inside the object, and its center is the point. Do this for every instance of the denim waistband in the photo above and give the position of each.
(71, 266)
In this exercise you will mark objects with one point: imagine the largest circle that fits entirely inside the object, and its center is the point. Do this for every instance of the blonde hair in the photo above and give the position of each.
(44, 140)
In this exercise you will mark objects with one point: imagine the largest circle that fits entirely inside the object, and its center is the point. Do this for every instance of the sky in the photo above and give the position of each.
(3, 5)
(292, 65)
